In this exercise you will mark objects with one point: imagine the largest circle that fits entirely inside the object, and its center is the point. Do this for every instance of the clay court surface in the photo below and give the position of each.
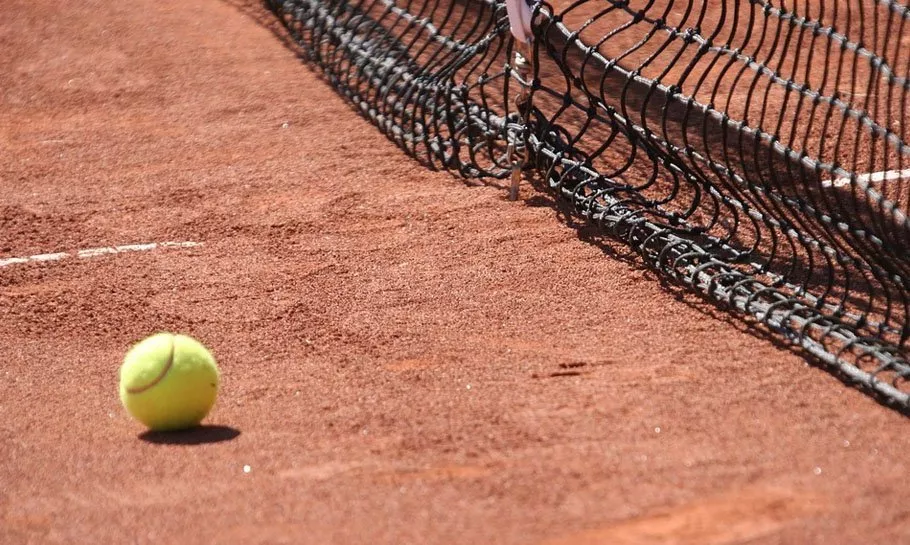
(406, 358)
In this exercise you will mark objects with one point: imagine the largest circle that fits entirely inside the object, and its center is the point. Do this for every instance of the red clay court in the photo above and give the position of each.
(406, 357)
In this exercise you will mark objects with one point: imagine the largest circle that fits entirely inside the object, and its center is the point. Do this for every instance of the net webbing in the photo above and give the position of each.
(753, 151)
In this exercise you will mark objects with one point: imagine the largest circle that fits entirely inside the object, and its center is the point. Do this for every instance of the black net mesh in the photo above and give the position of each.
(753, 151)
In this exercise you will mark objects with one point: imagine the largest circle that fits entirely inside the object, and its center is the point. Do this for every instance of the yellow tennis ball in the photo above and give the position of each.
(169, 382)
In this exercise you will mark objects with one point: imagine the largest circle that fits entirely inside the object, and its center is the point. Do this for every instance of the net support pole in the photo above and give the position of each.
(519, 157)
(520, 14)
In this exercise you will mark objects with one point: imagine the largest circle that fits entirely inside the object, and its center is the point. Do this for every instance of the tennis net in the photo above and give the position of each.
(753, 151)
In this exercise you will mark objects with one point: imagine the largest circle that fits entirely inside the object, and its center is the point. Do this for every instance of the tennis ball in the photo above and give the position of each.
(168, 382)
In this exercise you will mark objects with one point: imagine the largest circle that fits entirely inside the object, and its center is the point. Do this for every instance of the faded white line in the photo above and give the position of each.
(48, 257)
(870, 178)
(95, 252)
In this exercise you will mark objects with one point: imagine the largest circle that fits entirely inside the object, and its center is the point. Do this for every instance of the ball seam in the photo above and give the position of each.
(160, 377)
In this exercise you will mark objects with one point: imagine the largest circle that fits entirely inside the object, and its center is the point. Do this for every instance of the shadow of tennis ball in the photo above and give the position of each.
(199, 435)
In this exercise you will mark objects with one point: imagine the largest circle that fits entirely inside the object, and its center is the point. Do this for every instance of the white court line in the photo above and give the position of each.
(95, 252)
(870, 178)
